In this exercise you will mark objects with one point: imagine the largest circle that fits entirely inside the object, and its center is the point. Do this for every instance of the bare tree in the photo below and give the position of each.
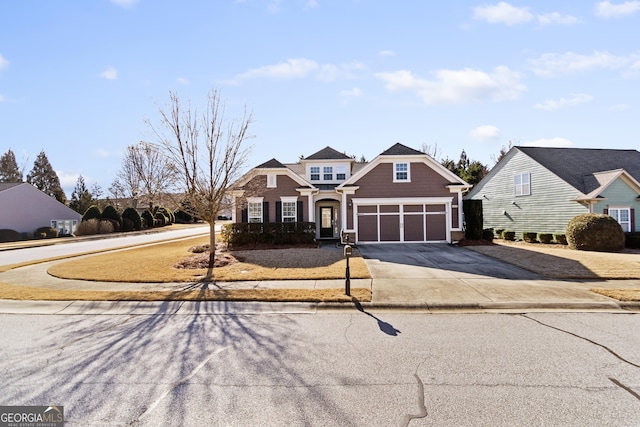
(146, 173)
(209, 153)
(503, 152)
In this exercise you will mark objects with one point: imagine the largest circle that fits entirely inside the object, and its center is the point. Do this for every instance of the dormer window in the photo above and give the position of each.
(401, 172)
(327, 172)
(272, 180)
(314, 171)
(341, 173)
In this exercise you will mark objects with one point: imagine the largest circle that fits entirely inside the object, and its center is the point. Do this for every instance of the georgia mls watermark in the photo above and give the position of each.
(31, 416)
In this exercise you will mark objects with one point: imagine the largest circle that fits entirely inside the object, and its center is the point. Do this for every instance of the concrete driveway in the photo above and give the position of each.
(450, 277)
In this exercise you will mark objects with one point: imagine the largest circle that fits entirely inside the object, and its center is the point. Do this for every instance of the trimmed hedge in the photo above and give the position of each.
(109, 212)
(530, 237)
(545, 237)
(595, 232)
(93, 212)
(274, 233)
(132, 215)
(7, 235)
(45, 233)
(509, 235)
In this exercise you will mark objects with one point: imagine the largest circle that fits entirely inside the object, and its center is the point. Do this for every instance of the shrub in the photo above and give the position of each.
(595, 232)
(545, 237)
(147, 219)
(530, 237)
(509, 235)
(160, 219)
(127, 225)
(45, 233)
(88, 227)
(109, 212)
(560, 239)
(132, 215)
(7, 235)
(473, 218)
(487, 234)
(632, 240)
(166, 212)
(93, 212)
(499, 232)
(106, 226)
(182, 217)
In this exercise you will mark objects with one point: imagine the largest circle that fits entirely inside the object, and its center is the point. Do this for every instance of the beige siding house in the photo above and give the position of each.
(24, 208)
(536, 189)
(403, 195)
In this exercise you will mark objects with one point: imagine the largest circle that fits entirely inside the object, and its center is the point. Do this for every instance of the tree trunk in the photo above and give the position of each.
(212, 249)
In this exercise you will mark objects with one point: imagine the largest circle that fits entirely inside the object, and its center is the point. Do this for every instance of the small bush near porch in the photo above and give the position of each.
(272, 233)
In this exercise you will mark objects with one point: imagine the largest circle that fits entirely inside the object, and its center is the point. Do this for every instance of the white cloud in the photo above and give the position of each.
(300, 68)
(606, 9)
(556, 104)
(485, 133)
(3, 62)
(457, 86)
(553, 64)
(67, 180)
(557, 18)
(183, 81)
(502, 13)
(549, 142)
(110, 74)
(125, 3)
(387, 53)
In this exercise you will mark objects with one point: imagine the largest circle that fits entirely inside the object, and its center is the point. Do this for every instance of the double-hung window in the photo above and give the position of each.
(289, 213)
(327, 173)
(254, 209)
(341, 173)
(401, 172)
(623, 216)
(314, 173)
(522, 184)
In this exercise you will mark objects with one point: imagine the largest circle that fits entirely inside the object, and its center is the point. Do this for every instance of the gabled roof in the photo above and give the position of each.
(328, 153)
(578, 166)
(400, 150)
(271, 164)
(605, 179)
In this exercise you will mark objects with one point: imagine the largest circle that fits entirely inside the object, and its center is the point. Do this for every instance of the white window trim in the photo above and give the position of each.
(256, 201)
(626, 226)
(521, 186)
(395, 172)
(325, 173)
(311, 173)
(290, 199)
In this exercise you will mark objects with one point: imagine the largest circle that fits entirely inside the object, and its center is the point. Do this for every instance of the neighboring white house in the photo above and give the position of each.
(24, 208)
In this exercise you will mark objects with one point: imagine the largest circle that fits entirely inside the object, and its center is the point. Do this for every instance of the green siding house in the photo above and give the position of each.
(537, 189)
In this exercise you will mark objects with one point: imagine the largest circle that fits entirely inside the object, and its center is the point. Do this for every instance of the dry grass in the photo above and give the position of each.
(560, 262)
(155, 264)
(16, 292)
(619, 294)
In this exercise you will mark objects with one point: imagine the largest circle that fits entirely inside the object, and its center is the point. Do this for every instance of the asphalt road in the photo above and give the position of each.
(79, 246)
(326, 368)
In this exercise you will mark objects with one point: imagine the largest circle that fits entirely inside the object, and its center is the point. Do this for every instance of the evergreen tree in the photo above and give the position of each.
(45, 179)
(9, 171)
(81, 198)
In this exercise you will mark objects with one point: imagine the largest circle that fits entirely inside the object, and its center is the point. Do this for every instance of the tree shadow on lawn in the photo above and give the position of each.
(136, 369)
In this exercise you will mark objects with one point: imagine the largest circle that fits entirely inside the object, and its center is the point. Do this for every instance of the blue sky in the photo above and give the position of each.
(79, 78)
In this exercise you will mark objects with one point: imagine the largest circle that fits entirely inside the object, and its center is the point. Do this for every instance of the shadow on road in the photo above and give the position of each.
(385, 327)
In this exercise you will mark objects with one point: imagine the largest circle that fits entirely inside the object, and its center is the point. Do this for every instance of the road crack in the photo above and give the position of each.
(421, 405)
(616, 355)
(625, 388)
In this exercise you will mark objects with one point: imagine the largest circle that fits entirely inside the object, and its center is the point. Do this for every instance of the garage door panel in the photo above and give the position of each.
(390, 228)
(414, 228)
(367, 228)
(436, 227)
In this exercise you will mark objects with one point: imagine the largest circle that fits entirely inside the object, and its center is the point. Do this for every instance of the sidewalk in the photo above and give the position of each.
(436, 290)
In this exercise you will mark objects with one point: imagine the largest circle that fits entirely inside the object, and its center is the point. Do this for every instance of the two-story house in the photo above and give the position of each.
(403, 195)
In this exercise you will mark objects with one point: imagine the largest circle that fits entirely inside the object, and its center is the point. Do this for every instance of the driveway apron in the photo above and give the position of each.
(443, 275)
